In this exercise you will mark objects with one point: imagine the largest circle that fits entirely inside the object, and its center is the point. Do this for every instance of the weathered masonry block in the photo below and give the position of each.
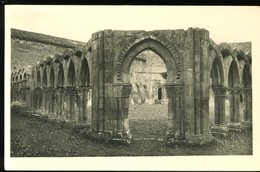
(90, 84)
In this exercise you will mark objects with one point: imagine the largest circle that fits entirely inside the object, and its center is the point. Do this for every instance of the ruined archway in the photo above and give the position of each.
(146, 71)
(38, 79)
(234, 96)
(84, 93)
(52, 97)
(52, 79)
(60, 78)
(71, 75)
(174, 122)
(247, 89)
(216, 75)
(84, 73)
(157, 48)
(60, 91)
(44, 79)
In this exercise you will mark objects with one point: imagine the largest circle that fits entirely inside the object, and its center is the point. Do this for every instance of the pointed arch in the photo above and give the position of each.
(24, 75)
(159, 45)
(44, 78)
(71, 75)
(158, 48)
(216, 73)
(60, 78)
(247, 78)
(52, 77)
(84, 73)
(20, 77)
(233, 75)
(38, 79)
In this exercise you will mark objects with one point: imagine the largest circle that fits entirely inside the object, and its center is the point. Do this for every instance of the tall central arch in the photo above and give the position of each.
(157, 48)
(173, 87)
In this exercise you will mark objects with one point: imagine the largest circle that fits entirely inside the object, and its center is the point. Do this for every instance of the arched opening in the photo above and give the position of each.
(87, 96)
(52, 77)
(216, 101)
(246, 79)
(38, 79)
(84, 73)
(16, 78)
(44, 79)
(37, 103)
(71, 75)
(52, 100)
(60, 78)
(234, 95)
(148, 61)
(159, 93)
(21, 77)
(233, 78)
(24, 76)
(246, 106)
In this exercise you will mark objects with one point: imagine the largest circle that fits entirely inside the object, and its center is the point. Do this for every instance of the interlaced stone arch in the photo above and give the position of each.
(152, 38)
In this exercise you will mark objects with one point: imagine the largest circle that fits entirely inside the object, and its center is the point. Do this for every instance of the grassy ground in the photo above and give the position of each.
(35, 137)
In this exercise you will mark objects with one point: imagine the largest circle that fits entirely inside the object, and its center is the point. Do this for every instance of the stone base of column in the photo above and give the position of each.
(235, 127)
(219, 130)
(108, 136)
(176, 138)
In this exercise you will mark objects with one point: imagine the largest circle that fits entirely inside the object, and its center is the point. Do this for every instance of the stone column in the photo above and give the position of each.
(82, 103)
(43, 100)
(28, 97)
(69, 103)
(50, 102)
(39, 100)
(59, 103)
(175, 132)
(234, 107)
(126, 91)
(220, 126)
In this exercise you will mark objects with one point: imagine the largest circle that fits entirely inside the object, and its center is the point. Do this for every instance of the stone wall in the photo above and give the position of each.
(28, 48)
(147, 75)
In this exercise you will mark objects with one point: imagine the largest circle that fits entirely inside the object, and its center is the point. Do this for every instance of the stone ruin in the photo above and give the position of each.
(91, 83)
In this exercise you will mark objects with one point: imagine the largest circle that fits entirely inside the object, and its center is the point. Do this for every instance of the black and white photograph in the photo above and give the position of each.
(131, 87)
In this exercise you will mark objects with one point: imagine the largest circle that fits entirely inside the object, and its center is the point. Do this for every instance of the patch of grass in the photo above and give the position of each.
(36, 137)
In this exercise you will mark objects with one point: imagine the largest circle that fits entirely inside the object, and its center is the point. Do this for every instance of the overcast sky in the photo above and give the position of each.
(226, 24)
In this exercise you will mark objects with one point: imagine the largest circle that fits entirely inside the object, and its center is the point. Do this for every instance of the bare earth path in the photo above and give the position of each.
(35, 137)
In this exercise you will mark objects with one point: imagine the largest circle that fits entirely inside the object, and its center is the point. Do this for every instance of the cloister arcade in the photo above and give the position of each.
(91, 85)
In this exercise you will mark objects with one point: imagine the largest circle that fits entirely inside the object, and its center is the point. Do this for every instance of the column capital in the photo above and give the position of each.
(174, 90)
(70, 90)
(126, 90)
(219, 89)
(82, 88)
